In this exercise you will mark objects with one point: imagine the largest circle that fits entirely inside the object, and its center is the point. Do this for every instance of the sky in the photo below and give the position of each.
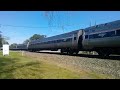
(21, 25)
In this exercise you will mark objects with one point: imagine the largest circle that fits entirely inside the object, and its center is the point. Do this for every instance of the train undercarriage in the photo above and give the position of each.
(102, 52)
(105, 52)
(69, 51)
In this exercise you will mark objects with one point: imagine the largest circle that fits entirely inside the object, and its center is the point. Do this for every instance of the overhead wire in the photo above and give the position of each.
(1, 25)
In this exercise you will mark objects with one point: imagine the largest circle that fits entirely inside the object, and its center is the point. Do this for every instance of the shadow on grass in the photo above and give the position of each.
(7, 60)
(86, 55)
(5, 71)
(9, 65)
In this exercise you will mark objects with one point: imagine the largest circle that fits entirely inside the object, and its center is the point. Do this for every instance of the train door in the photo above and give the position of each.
(80, 39)
(73, 40)
(27, 45)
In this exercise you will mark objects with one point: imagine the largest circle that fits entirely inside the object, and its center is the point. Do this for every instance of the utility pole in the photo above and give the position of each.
(95, 23)
(90, 23)
(16, 46)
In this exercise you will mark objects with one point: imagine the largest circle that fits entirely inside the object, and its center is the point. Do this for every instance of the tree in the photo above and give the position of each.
(26, 41)
(14, 45)
(0, 39)
(37, 36)
(4, 40)
(34, 37)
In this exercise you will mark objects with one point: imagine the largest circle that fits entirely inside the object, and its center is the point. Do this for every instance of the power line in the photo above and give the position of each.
(35, 27)
(26, 26)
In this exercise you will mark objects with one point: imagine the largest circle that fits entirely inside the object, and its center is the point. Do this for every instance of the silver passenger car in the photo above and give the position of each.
(103, 37)
(63, 41)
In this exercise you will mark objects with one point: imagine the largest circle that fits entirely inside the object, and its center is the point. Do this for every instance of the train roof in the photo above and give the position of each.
(105, 26)
(21, 45)
(56, 37)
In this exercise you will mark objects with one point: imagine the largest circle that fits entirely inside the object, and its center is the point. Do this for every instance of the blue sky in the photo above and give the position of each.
(67, 20)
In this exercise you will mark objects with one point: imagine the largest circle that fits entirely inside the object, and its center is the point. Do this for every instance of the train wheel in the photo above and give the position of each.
(71, 52)
(76, 52)
(61, 51)
(100, 53)
(67, 52)
(104, 53)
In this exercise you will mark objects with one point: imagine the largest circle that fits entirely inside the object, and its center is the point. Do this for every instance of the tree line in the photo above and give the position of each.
(3, 39)
(34, 37)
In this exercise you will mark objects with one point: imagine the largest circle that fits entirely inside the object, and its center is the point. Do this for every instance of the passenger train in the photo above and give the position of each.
(103, 38)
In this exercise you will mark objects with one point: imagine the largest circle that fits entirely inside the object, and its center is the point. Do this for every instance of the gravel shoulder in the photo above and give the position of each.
(108, 68)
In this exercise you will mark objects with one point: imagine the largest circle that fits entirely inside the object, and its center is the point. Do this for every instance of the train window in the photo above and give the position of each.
(91, 36)
(48, 42)
(109, 34)
(45, 42)
(57, 41)
(96, 26)
(69, 39)
(86, 36)
(74, 38)
(105, 24)
(112, 33)
(101, 35)
(51, 41)
(62, 40)
(94, 36)
(54, 41)
(118, 32)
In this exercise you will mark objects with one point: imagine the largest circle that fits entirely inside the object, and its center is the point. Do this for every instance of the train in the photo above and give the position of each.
(102, 38)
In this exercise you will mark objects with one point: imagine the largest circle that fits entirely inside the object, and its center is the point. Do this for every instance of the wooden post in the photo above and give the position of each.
(22, 53)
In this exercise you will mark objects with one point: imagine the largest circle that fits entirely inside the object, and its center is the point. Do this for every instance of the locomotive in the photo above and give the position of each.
(102, 38)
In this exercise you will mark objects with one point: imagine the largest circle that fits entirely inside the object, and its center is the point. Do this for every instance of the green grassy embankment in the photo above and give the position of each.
(16, 66)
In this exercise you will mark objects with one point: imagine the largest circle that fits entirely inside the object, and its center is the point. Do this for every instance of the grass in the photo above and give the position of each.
(16, 66)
